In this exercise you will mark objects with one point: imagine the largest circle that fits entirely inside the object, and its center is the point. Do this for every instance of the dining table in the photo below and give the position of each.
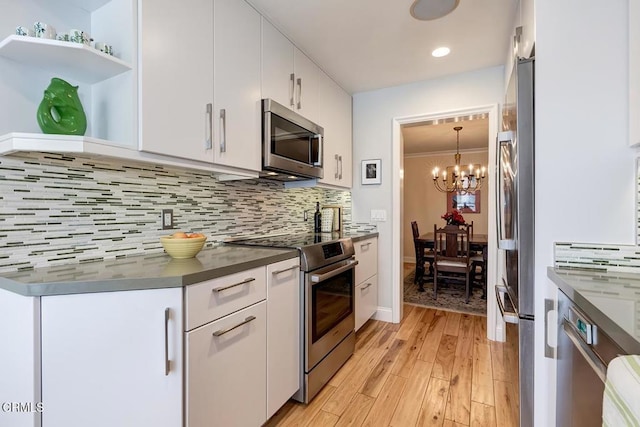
(478, 243)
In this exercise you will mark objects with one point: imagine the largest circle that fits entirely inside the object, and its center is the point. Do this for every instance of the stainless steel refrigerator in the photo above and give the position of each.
(515, 198)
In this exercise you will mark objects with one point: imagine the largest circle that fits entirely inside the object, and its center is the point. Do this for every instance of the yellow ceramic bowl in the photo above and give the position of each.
(182, 248)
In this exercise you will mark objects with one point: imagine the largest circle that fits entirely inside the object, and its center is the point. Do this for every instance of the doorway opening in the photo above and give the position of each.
(441, 121)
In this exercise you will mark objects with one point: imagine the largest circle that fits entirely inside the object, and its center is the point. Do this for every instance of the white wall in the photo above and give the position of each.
(373, 113)
(584, 168)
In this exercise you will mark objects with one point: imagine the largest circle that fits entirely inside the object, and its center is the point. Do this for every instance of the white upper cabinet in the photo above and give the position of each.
(288, 76)
(334, 115)
(176, 78)
(634, 72)
(237, 108)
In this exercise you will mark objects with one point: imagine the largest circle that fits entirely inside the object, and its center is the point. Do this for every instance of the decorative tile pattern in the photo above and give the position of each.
(57, 209)
(597, 257)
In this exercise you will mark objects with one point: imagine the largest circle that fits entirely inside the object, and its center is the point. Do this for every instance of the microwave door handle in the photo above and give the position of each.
(320, 150)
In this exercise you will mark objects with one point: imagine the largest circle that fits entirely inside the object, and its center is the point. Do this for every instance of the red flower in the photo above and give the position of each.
(454, 218)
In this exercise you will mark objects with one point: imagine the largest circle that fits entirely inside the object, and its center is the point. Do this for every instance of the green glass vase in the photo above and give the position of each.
(60, 111)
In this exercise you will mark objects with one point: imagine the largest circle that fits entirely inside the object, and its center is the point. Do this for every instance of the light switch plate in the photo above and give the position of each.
(379, 215)
(167, 219)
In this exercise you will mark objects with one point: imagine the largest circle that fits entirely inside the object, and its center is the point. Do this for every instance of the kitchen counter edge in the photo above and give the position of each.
(154, 271)
(360, 236)
(622, 338)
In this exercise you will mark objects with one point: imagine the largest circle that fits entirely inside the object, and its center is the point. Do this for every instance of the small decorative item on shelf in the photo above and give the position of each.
(454, 218)
(60, 111)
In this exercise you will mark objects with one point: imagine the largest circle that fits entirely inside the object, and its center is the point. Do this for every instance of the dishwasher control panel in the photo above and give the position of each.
(583, 325)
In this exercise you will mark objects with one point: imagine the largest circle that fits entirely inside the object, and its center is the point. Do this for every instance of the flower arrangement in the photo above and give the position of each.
(454, 218)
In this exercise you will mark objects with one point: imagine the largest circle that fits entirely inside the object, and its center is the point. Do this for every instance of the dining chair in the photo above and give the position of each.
(427, 256)
(478, 262)
(452, 257)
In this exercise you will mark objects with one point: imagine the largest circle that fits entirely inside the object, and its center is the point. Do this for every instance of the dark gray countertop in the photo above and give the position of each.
(357, 236)
(611, 300)
(141, 272)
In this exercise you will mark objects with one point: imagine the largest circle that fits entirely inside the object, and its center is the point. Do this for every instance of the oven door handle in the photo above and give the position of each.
(317, 278)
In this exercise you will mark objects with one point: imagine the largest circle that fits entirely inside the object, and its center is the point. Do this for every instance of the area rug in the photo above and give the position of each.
(450, 297)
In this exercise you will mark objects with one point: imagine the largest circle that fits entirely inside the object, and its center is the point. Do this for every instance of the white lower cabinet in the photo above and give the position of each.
(283, 333)
(226, 370)
(366, 298)
(112, 359)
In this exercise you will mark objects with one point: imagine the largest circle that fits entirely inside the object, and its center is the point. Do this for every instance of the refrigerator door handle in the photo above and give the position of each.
(508, 316)
(506, 191)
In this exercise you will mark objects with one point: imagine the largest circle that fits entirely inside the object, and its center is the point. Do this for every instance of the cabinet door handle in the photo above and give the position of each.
(292, 92)
(365, 245)
(223, 130)
(337, 167)
(366, 286)
(299, 93)
(224, 288)
(208, 127)
(286, 269)
(224, 331)
(340, 158)
(167, 362)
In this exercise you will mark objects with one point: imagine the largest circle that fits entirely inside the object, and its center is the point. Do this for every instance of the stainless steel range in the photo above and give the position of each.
(327, 281)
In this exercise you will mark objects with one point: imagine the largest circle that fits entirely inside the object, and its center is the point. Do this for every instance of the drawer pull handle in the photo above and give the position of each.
(167, 362)
(365, 245)
(224, 331)
(224, 288)
(286, 269)
(366, 286)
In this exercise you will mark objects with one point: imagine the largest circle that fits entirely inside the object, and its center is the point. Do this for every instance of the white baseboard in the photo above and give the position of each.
(384, 314)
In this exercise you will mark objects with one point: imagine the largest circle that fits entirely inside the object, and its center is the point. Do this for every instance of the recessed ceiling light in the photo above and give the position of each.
(440, 52)
(271, 173)
(292, 177)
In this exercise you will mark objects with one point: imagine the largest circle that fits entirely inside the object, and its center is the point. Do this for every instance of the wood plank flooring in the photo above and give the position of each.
(435, 368)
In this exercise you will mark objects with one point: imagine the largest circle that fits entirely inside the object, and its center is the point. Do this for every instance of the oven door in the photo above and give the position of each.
(329, 303)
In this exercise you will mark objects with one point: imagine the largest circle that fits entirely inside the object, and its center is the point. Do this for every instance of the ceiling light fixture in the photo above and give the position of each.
(440, 52)
(460, 181)
(428, 10)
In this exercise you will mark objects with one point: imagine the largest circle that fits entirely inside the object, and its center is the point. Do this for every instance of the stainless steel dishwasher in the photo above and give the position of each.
(584, 352)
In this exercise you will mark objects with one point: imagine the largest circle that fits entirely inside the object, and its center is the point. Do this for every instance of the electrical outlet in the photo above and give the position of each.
(167, 219)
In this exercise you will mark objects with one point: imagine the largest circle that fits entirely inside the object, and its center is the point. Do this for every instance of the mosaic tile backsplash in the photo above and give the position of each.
(597, 257)
(57, 209)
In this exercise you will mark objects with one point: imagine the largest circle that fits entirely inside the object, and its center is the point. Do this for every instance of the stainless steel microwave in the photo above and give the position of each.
(291, 144)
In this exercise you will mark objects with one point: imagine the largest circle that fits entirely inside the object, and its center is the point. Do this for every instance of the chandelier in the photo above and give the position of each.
(461, 181)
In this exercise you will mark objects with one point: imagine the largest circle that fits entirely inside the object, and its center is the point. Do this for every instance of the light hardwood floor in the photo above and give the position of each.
(435, 368)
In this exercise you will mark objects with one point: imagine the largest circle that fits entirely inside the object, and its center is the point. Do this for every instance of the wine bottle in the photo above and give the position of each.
(317, 221)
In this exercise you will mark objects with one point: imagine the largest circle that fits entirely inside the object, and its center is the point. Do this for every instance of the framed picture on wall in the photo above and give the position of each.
(371, 170)
(465, 203)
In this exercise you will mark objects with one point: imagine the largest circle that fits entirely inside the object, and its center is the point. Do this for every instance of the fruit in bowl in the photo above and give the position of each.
(182, 245)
